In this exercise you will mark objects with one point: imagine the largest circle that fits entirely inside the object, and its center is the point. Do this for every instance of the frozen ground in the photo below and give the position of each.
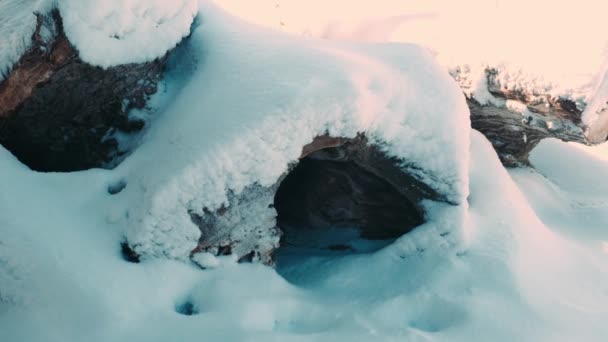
(523, 256)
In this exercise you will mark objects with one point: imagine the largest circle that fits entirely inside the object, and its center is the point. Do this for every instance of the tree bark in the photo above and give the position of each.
(521, 120)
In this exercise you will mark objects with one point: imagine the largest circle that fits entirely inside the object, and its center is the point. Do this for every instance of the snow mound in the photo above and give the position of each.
(253, 98)
(112, 32)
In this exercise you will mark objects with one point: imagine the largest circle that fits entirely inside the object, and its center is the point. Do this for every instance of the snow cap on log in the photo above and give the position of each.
(238, 123)
(113, 32)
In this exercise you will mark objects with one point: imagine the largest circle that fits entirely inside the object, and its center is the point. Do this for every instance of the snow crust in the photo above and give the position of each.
(252, 98)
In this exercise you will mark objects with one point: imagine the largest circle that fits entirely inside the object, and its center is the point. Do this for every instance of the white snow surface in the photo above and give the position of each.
(522, 257)
(543, 47)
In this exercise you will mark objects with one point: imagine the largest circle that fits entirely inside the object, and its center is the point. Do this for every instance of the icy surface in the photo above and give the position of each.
(252, 98)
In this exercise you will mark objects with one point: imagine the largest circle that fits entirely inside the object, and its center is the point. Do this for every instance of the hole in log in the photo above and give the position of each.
(343, 196)
(346, 196)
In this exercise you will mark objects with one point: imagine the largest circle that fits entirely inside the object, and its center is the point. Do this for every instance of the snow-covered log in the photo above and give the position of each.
(69, 94)
(516, 118)
(326, 135)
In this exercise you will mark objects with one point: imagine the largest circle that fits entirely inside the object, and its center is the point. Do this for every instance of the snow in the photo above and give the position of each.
(519, 255)
(206, 260)
(112, 32)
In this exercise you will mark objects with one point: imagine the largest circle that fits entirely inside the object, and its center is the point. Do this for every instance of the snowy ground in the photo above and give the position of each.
(522, 257)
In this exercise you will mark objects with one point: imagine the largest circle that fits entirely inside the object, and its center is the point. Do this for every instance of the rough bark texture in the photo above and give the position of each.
(338, 183)
(58, 113)
(514, 133)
